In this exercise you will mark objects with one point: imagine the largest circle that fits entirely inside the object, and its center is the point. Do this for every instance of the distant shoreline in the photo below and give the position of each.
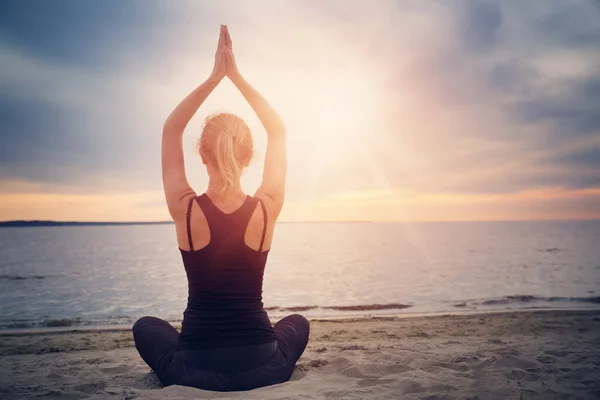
(40, 223)
(22, 224)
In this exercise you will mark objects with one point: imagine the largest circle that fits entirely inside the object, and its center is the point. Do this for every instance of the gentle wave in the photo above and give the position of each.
(121, 320)
(524, 299)
(370, 307)
(52, 323)
(549, 250)
(507, 302)
(361, 307)
(69, 322)
(62, 322)
(22, 277)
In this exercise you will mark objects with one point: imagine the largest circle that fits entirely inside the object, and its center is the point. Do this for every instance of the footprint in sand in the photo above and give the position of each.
(353, 347)
(557, 353)
(409, 386)
(59, 394)
(517, 374)
(507, 351)
(387, 369)
(510, 361)
(318, 363)
(297, 375)
(348, 368)
(119, 369)
(440, 367)
(546, 359)
(148, 380)
(90, 388)
(465, 359)
(374, 382)
(97, 360)
(582, 360)
(441, 397)
(581, 374)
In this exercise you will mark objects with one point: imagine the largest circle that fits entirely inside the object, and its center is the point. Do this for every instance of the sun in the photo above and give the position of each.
(342, 116)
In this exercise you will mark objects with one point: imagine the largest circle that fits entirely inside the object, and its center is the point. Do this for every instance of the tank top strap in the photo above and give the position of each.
(188, 223)
(264, 232)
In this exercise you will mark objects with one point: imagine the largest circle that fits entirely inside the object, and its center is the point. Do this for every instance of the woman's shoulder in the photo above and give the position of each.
(272, 205)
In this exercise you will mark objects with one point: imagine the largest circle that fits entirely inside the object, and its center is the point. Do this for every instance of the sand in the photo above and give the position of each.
(545, 354)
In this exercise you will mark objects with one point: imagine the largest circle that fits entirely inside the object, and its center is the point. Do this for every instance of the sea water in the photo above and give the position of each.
(99, 275)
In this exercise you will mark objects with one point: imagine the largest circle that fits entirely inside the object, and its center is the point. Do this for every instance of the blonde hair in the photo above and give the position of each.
(226, 143)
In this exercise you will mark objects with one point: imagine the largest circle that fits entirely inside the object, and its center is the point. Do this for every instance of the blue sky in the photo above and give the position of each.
(395, 110)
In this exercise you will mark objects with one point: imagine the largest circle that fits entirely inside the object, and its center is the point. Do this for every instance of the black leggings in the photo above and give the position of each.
(226, 369)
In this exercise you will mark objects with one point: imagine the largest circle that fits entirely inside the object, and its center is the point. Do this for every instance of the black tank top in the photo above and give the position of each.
(225, 279)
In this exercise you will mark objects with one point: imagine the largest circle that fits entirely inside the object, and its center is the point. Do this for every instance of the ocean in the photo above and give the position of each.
(110, 275)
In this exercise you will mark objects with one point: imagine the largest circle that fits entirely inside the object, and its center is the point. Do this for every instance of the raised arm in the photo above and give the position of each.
(272, 189)
(175, 183)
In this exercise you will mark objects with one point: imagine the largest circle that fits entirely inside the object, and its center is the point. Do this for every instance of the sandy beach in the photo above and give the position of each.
(545, 354)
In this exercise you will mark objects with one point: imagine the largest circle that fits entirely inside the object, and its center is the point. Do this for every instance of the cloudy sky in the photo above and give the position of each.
(396, 110)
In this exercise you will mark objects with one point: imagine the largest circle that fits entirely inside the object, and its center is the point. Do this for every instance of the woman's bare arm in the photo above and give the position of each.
(272, 188)
(177, 189)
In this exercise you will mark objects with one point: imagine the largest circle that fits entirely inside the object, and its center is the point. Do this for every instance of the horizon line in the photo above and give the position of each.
(35, 222)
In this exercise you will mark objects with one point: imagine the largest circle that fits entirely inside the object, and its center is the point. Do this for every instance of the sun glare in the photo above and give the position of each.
(340, 121)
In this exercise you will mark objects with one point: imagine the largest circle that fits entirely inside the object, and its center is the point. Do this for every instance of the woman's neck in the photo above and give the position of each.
(215, 189)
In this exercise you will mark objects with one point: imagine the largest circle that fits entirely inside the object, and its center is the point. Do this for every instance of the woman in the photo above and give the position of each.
(226, 341)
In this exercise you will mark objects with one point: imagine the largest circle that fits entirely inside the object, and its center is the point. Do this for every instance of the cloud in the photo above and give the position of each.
(75, 33)
(507, 103)
(60, 124)
(586, 157)
(480, 24)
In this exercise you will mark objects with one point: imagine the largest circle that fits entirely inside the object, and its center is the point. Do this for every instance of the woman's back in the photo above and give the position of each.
(225, 278)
